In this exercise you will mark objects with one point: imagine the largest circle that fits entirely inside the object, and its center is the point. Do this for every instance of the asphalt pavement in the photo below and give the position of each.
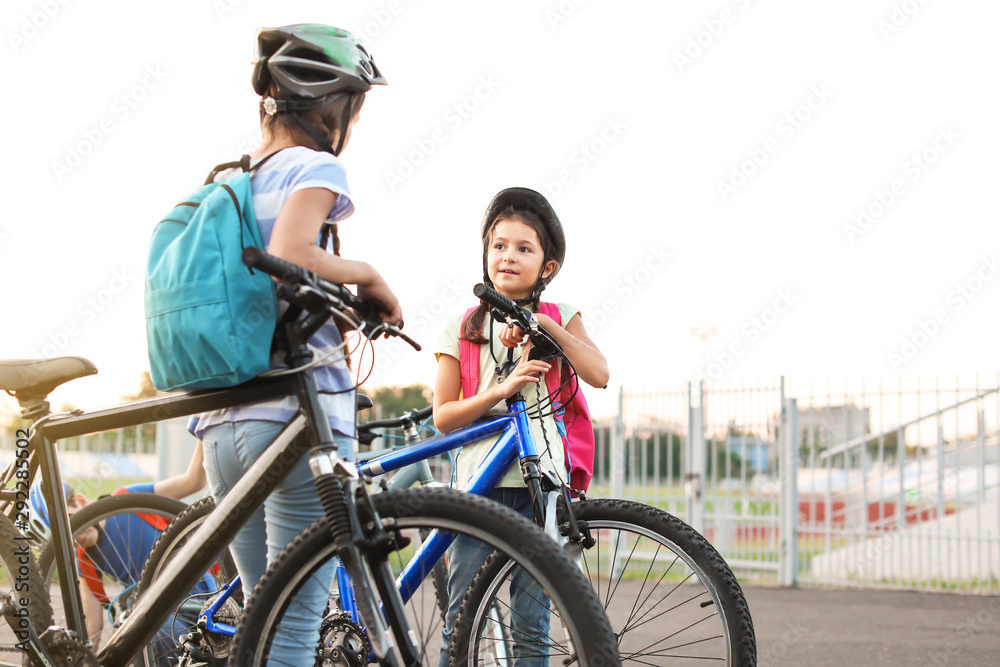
(819, 627)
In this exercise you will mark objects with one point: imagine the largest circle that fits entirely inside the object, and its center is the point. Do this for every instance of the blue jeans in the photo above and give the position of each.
(528, 615)
(230, 450)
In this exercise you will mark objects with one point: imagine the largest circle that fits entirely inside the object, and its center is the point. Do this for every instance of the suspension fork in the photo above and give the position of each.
(357, 530)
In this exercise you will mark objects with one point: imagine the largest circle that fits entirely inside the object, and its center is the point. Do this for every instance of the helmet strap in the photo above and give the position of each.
(345, 119)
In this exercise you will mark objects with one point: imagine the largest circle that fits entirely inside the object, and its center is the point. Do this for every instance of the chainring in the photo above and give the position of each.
(342, 642)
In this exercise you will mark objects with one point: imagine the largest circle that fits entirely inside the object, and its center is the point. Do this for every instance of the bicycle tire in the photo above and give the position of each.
(170, 541)
(93, 514)
(22, 581)
(668, 620)
(409, 511)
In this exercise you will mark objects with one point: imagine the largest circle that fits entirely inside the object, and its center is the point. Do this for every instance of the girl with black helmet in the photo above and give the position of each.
(312, 80)
(523, 249)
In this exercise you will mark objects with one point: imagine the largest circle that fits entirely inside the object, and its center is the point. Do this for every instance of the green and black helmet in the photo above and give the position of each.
(311, 65)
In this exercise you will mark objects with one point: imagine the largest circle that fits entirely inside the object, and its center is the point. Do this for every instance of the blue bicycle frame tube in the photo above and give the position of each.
(345, 590)
(515, 441)
(209, 616)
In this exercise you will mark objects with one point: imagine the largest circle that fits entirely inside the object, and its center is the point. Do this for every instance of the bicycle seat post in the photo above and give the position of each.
(44, 450)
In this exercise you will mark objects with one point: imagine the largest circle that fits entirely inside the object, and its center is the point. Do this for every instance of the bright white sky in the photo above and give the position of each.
(713, 157)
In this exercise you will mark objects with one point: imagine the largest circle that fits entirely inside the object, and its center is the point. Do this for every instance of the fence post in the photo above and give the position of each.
(618, 449)
(694, 477)
(789, 504)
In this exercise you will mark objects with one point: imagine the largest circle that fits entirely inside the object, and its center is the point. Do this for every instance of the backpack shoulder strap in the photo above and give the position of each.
(552, 378)
(243, 163)
(468, 361)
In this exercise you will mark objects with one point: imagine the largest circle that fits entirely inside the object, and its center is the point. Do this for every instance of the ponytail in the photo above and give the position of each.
(472, 327)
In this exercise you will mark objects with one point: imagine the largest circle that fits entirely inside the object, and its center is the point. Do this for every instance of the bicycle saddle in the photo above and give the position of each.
(36, 378)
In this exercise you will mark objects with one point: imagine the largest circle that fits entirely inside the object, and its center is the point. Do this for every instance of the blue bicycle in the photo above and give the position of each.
(671, 597)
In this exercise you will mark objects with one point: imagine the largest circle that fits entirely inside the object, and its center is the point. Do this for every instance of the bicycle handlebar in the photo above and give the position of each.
(543, 346)
(295, 275)
(298, 277)
(398, 422)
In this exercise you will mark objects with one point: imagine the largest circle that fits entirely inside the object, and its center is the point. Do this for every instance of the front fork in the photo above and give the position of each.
(358, 532)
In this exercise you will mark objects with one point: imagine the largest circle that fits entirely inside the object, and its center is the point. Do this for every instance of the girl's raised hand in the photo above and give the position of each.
(524, 373)
(511, 335)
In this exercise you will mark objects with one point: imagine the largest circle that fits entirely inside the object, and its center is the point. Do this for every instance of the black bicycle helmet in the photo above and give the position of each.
(525, 199)
(311, 65)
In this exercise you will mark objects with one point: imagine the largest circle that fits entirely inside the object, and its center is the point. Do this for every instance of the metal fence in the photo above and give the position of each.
(859, 485)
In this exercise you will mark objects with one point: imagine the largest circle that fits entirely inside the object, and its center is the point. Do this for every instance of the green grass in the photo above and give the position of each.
(95, 488)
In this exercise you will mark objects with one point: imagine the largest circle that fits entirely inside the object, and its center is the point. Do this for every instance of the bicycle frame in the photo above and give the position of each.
(515, 442)
(303, 433)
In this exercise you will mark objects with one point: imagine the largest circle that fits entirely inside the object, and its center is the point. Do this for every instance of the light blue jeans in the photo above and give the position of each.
(528, 615)
(230, 450)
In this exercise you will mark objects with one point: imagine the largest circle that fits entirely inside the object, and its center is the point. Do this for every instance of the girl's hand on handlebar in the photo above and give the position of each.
(379, 291)
(511, 335)
(524, 373)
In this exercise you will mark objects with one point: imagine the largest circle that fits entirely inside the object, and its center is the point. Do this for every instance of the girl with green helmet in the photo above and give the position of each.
(312, 80)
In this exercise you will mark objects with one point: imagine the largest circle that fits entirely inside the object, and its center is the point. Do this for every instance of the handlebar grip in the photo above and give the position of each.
(286, 271)
(293, 274)
(494, 298)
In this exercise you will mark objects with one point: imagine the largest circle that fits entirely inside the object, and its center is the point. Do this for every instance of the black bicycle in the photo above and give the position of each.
(364, 531)
(672, 598)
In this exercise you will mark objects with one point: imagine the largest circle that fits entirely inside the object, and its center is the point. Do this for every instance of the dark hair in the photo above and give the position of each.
(327, 117)
(472, 328)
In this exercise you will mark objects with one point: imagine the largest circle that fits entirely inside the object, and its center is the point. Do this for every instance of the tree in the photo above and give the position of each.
(394, 401)
(146, 389)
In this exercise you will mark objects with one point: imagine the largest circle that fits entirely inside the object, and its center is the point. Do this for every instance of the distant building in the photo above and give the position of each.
(751, 449)
(832, 425)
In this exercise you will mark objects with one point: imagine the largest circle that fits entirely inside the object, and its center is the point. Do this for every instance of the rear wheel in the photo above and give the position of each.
(672, 598)
(21, 580)
(214, 644)
(127, 536)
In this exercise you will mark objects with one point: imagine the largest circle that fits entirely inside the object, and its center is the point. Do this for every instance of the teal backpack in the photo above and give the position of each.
(210, 319)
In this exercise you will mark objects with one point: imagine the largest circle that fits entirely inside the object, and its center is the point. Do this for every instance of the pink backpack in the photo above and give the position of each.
(572, 418)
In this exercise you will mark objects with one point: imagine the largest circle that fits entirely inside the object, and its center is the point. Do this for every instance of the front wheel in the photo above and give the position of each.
(672, 598)
(574, 611)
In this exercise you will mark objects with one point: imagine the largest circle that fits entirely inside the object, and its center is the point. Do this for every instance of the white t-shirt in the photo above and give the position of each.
(552, 458)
